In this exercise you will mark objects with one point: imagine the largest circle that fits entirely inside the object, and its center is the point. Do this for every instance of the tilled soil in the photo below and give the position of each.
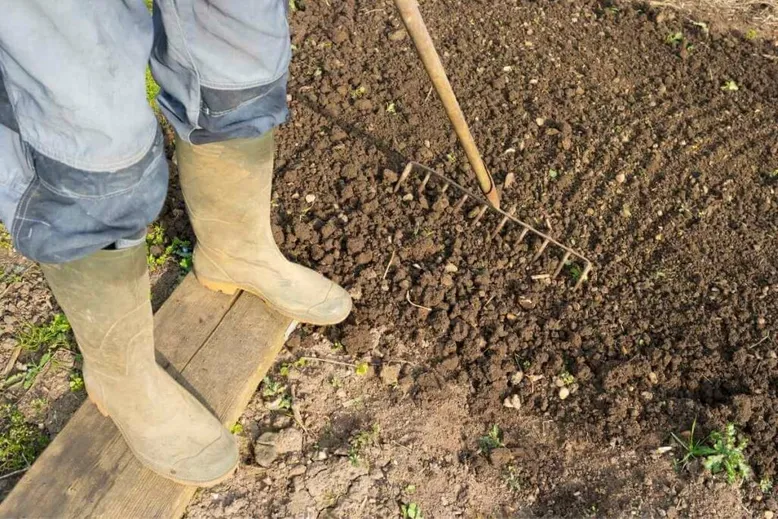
(625, 145)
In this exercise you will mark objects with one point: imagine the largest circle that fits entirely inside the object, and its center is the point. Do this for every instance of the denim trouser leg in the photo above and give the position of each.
(81, 156)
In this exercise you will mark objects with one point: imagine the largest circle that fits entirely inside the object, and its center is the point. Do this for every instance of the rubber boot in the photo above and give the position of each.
(106, 299)
(227, 188)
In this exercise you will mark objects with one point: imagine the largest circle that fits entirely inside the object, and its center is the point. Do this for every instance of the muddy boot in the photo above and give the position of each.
(106, 298)
(227, 188)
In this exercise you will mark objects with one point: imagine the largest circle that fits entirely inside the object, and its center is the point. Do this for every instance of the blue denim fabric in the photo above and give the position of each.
(81, 158)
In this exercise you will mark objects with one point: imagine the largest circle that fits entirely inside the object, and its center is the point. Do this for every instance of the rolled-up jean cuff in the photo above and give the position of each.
(66, 213)
(231, 114)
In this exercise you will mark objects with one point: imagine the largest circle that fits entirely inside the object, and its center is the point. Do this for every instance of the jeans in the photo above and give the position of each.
(82, 163)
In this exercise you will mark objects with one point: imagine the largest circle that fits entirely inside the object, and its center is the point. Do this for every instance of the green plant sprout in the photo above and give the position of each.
(719, 452)
(492, 440)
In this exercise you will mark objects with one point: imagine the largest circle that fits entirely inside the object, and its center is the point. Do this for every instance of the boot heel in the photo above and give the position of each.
(218, 286)
(99, 406)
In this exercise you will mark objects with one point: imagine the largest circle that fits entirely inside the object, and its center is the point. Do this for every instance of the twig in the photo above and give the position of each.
(296, 413)
(330, 361)
(760, 341)
(428, 95)
(15, 473)
(386, 272)
(408, 298)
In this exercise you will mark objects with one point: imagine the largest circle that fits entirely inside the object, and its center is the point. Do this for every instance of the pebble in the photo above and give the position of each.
(310, 198)
(768, 514)
(512, 402)
(564, 393)
(450, 267)
(540, 121)
(653, 378)
(398, 35)
(621, 178)
(517, 378)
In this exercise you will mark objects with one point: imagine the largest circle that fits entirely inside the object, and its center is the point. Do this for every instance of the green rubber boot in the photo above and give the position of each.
(106, 299)
(227, 188)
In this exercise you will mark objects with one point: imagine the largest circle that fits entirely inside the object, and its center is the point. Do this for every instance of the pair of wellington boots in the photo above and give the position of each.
(106, 298)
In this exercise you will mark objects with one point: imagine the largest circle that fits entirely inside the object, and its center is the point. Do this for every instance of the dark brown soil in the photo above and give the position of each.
(666, 180)
(624, 147)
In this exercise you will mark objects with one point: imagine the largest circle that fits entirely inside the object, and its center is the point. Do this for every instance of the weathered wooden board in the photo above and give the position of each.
(220, 347)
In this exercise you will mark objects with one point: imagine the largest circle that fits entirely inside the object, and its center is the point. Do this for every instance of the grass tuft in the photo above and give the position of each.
(719, 452)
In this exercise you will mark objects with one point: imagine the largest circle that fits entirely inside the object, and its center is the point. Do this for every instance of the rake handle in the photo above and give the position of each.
(414, 24)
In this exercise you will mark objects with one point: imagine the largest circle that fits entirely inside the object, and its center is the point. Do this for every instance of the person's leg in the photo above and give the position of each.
(82, 169)
(222, 66)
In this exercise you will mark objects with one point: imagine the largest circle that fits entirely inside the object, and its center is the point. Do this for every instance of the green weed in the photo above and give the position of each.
(159, 253)
(553, 174)
(358, 93)
(152, 90)
(20, 442)
(730, 86)
(674, 38)
(391, 108)
(360, 442)
(766, 484)
(492, 440)
(566, 378)
(719, 452)
(76, 381)
(54, 334)
(236, 428)
(362, 369)
(411, 511)
(511, 478)
(575, 271)
(5, 238)
(751, 34)
(277, 393)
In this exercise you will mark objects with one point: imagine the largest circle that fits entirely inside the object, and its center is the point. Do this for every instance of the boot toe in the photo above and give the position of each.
(333, 309)
(211, 465)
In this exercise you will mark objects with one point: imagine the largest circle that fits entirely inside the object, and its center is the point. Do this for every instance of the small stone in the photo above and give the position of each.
(398, 35)
(320, 455)
(769, 514)
(517, 378)
(512, 402)
(408, 197)
(526, 304)
(310, 198)
(564, 393)
(390, 374)
(289, 440)
(450, 267)
(446, 280)
(264, 455)
(540, 121)
(621, 178)
(653, 378)
(510, 178)
(390, 176)
(297, 470)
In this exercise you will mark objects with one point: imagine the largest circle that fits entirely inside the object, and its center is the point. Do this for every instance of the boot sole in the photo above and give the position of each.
(231, 289)
(200, 484)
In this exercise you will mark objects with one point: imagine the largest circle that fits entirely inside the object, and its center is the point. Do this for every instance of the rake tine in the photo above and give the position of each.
(541, 250)
(460, 203)
(522, 235)
(424, 182)
(404, 176)
(585, 273)
(445, 188)
(561, 264)
(499, 227)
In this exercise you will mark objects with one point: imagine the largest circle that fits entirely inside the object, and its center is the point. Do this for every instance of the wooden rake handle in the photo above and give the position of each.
(414, 23)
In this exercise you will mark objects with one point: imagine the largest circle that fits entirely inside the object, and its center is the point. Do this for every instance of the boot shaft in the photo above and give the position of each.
(105, 296)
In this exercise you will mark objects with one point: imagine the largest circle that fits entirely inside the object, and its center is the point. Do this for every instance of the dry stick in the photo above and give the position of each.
(408, 298)
(296, 413)
(330, 361)
(386, 272)
(14, 473)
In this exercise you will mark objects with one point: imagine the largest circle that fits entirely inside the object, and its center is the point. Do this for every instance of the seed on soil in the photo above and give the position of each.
(310, 198)
(621, 178)
(408, 197)
(540, 121)
(517, 377)
(564, 393)
(653, 378)
(450, 267)
(512, 402)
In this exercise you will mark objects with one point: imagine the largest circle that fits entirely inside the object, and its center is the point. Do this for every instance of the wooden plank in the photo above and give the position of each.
(88, 469)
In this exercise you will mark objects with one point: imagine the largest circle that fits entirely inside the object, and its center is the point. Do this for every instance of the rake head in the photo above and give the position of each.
(425, 179)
